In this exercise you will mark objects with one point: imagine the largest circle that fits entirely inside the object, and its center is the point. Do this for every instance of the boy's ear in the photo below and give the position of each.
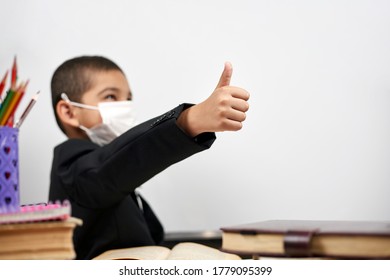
(66, 113)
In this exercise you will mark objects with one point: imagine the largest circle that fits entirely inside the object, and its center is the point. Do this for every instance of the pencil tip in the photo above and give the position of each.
(35, 97)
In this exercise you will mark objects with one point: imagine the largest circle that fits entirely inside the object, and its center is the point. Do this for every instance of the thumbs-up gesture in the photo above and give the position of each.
(223, 110)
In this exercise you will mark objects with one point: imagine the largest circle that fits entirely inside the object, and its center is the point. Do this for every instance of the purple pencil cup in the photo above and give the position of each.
(9, 170)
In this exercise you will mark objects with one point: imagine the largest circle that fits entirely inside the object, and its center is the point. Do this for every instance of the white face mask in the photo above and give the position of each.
(118, 117)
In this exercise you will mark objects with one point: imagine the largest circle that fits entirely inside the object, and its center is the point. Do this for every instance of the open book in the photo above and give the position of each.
(182, 251)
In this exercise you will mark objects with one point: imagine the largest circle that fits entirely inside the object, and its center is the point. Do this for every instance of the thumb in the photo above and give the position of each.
(226, 75)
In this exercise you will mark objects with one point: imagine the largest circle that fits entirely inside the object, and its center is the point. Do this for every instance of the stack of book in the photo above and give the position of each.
(309, 239)
(38, 232)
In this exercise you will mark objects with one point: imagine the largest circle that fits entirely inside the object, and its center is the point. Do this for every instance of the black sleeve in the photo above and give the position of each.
(98, 177)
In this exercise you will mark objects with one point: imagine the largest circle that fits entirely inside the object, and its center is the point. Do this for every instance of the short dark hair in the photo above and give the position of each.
(74, 78)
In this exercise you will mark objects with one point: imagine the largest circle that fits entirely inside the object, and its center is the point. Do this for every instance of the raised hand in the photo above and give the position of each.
(223, 110)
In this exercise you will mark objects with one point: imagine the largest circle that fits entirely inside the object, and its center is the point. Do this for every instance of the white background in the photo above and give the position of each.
(316, 143)
(198, 269)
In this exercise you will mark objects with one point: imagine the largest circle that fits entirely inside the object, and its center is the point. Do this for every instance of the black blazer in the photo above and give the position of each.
(100, 182)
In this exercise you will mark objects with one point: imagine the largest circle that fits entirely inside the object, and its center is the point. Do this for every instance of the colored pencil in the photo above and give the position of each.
(13, 97)
(5, 105)
(8, 117)
(2, 84)
(27, 110)
(14, 74)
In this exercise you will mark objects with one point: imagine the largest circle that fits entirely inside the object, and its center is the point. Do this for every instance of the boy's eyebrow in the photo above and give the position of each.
(108, 89)
(113, 89)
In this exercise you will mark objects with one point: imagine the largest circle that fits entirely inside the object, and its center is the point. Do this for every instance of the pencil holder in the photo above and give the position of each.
(9, 170)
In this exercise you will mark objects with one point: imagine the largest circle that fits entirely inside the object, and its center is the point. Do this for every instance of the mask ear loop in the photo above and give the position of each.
(65, 97)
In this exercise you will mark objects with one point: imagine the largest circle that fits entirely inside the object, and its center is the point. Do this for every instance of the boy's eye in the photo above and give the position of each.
(110, 97)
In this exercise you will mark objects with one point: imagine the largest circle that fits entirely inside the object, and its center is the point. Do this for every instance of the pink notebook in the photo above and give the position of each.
(38, 213)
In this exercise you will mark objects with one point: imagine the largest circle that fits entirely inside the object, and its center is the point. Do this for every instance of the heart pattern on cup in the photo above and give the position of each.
(7, 149)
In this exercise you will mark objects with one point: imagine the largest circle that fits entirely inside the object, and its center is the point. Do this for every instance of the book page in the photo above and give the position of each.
(194, 251)
(136, 253)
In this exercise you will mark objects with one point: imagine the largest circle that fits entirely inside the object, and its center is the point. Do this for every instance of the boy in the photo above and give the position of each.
(103, 162)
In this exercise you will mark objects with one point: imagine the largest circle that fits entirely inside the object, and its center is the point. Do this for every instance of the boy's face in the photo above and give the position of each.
(108, 86)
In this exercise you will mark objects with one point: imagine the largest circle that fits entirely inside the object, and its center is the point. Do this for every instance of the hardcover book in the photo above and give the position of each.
(302, 238)
(38, 240)
(38, 231)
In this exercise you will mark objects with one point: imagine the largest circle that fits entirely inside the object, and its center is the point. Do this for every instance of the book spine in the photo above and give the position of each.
(298, 243)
